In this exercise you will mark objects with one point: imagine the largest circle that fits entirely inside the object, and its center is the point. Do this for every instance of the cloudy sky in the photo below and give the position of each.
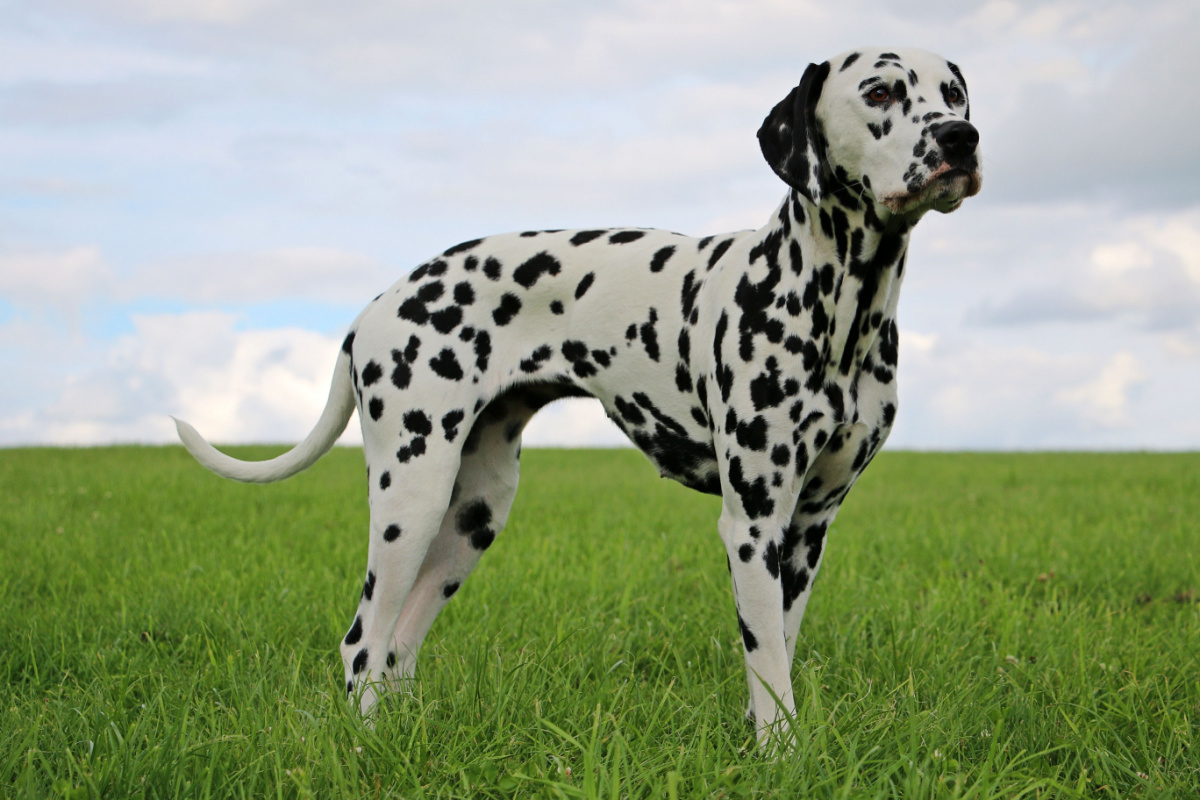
(197, 196)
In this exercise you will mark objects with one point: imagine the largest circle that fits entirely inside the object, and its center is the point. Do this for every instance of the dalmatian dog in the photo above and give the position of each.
(758, 365)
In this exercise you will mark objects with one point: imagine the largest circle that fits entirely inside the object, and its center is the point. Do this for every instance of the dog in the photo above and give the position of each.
(759, 366)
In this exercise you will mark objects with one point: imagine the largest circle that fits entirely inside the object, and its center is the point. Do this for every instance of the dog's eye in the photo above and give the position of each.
(953, 96)
(879, 94)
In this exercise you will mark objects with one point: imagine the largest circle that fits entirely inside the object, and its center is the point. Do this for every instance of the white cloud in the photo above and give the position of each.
(63, 279)
(234, 386)
(312, 273)
(1105, 399)
(577, 422)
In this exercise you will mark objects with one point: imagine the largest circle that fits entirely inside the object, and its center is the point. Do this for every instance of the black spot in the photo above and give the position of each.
(755, 498)
(447, 319)
(449, 589)
(482, 539)
(536, 358)
(703, 243)
(771, 559)
(491, 268)
(556, 307)
(836, 399)
(631, 332)
(371, 373)
(356, 631)
(602, 358)
(629, 412)
(376, 408)
(471, 264)
(860, 459)
(416, 422)
(889, 343)
(369, 586)
(541, 264)
(360, 661)
(413, 310)
(412, 450)
(793, 581)
(584, 284)
(687, 298)
(748, 639)
(765, 390)
(464, 295)
(745, 553)
(577, 352)
(753, 435)
(850, 59)
(483, 348)
(431, 291)
(780, 455)
(402, 374)
(391, 660)
(889, 414)
(446, 365)
(583, 237)
(624, 237)
(814, 538)
(685, 346)
(660, 258)
(683, 378)
(718, 251)
(473, 516)
(462, 248)
(724, 375)
(450, 423)
(348, 343)
(510, 306)
(391, 533)
(385, 480)
(650, 336)
(411, 350)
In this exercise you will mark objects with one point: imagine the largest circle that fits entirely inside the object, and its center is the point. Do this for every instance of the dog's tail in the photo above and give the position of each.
(334, 418)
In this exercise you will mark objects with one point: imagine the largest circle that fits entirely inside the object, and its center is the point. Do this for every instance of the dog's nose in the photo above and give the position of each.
(958, 141)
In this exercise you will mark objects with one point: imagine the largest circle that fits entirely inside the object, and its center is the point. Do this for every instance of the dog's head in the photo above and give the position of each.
(891, 124)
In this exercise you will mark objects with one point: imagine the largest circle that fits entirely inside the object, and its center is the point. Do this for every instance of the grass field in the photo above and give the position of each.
(984, 626)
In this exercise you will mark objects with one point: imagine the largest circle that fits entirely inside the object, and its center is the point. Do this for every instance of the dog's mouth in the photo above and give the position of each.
(943, 191)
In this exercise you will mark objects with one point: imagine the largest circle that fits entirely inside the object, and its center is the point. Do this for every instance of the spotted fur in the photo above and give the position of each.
(758, 365)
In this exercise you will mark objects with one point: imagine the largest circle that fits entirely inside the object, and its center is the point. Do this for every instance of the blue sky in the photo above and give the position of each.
(197, 196)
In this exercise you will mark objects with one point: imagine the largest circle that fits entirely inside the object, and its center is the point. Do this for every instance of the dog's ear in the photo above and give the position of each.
(791, 139)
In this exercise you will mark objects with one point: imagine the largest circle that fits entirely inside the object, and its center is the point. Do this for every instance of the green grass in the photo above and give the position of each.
(984, 626)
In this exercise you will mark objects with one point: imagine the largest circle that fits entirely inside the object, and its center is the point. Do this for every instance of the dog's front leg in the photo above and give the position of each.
(753, 548)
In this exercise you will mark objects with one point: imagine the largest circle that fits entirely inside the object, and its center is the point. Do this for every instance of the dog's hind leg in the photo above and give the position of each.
(403, 525)
(483, 496)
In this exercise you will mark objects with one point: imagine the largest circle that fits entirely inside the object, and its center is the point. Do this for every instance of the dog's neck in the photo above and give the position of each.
(844, 260)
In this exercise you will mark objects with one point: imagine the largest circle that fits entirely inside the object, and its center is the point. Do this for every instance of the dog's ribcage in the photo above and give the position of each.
(668, 331)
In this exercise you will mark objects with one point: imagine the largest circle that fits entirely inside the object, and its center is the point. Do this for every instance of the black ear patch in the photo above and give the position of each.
(791, 138)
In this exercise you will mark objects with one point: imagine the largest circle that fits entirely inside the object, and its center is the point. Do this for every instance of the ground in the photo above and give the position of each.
(984, 626)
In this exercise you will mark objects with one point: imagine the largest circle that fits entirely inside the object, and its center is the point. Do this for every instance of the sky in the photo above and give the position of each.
(198, 196)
